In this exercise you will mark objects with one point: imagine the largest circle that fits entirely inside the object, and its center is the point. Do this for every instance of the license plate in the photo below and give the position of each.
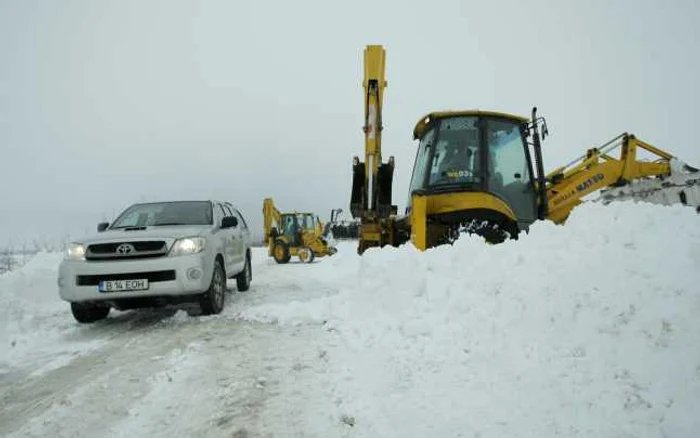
(122, 285)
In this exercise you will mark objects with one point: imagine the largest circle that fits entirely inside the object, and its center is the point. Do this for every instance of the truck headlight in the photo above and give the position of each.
(188, 245)
(75, 251)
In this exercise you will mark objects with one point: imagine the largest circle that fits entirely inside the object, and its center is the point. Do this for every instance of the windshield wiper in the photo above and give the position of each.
(168, 223)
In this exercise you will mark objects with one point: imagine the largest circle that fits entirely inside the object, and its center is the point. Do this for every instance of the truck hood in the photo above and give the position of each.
(167, 233)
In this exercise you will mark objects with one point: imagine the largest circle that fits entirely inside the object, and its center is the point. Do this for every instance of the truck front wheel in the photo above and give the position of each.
(86, 313)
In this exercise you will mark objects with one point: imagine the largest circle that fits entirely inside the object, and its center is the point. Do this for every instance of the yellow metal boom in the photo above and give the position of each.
(372, 179)
(271, 219)
(566, 186)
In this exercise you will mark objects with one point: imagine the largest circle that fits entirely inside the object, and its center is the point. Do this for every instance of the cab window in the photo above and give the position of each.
(422, 157)
(456, 159)
(219, 213)
(509, 168)
(228, 210)
(240, 218)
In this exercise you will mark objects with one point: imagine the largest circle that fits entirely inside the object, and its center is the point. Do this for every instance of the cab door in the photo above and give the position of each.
(246, 240)
(237, 242)
(509, 169)
(226, 238)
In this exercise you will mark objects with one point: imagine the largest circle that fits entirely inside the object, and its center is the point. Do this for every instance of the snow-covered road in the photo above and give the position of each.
(587, 329)
(163, 373)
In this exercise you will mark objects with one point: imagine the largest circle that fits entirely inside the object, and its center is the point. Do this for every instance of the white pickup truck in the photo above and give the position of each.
(156, 254)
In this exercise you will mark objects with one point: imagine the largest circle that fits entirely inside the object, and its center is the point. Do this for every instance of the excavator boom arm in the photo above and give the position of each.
(370, 199)
(374, 84)
(271, 215)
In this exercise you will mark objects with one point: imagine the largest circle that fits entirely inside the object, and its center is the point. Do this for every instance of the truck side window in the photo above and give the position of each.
(240, 219)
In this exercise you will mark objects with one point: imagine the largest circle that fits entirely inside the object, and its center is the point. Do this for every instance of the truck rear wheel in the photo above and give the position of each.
(244, 278)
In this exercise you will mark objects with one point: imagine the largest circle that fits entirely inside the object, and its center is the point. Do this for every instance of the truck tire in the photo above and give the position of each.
(86, 313)
(244, 278)
(212, 301)
(280, 252)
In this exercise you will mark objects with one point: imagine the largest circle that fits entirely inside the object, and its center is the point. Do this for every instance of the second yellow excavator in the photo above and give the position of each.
(481, 172)
(297, 234)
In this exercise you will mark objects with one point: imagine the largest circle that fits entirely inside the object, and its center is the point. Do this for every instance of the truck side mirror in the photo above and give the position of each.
(229, 222)
(102, 226)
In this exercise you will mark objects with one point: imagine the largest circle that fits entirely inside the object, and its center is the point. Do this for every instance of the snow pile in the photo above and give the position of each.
(27, 296)
(586, 329)
(33, 317)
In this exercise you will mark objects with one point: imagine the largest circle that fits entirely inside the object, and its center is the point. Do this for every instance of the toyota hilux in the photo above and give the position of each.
(157, 254)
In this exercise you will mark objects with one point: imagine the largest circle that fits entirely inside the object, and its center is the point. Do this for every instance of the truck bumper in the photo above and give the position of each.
(167, 276)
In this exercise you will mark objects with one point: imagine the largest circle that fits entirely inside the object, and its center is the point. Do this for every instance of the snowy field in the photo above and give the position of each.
(588, 329)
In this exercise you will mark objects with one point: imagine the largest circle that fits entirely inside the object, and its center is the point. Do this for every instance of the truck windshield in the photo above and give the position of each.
(165, 213)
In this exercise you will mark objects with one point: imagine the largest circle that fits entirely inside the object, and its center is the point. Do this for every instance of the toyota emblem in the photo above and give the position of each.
(125, 248)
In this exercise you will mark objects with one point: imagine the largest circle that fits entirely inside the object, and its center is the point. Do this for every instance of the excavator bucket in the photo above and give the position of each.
(385, 178)
(682, 186)
(358, 203)
(382, 191)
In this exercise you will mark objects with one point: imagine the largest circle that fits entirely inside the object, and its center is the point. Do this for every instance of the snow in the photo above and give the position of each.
(33, 318)
(682, 185)
(586, 329)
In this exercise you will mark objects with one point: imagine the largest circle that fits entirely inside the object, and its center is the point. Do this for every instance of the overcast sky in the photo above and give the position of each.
(106, 103)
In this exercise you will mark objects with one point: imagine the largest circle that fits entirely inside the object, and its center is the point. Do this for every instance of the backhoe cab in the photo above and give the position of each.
(473, 173)
(298, 234)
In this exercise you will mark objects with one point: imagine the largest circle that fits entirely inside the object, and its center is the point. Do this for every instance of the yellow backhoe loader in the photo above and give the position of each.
(298, 234)
(481, 172)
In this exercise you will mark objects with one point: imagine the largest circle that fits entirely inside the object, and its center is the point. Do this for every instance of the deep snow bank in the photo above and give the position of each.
(586, 329)
(28, 294)
(33, 317)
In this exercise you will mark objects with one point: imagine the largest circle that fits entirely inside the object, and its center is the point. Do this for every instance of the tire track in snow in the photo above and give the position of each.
(119, 366)
(262, 381)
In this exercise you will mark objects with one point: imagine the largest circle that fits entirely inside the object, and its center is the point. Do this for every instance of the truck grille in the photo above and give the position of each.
(126, 250)
(152, 277)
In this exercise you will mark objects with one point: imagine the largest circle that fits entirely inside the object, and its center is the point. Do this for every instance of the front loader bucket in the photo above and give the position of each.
(682, 186)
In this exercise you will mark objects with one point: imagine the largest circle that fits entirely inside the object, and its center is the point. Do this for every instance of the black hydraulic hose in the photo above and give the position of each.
(542, 189)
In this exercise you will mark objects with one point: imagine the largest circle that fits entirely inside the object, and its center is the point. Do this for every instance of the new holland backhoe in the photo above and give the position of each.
(481, 172)
(298, 234)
